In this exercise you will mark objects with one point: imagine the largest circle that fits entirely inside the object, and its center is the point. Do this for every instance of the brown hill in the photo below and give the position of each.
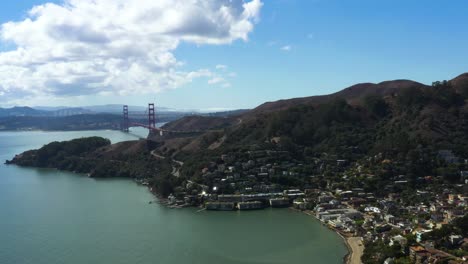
(352, 94)
(423, 111)
(199, 123)
(460, 83)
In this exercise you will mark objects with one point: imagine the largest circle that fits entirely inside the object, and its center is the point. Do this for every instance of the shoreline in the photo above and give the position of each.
(352, 257)
(348, 258)
(355, 256)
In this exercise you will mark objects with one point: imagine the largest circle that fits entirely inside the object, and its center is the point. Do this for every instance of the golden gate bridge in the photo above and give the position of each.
(150, 115)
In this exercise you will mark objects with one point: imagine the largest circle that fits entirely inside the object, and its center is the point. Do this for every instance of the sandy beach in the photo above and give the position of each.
(356, 249)
(354, 244)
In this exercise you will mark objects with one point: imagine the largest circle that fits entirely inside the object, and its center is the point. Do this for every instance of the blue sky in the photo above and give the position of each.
(301, 48)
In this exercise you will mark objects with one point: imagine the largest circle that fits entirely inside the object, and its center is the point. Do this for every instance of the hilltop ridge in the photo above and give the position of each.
(351, 94)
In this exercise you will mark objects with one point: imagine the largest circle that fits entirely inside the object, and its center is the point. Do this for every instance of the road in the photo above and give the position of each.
(175, 169)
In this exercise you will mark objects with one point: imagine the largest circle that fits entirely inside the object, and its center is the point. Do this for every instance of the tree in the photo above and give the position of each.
(376, 105)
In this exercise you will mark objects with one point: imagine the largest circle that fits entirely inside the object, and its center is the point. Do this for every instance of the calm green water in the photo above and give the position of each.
(48, 216)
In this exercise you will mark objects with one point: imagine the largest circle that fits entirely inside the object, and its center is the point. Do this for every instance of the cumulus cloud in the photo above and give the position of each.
(98, 47)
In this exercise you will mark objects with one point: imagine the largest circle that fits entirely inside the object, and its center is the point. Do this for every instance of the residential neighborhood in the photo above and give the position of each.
(393, 218)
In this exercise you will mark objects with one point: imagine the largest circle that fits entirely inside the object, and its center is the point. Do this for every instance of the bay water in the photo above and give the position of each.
(49, 216)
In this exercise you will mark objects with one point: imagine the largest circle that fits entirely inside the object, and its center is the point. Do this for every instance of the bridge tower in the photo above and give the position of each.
(125, 121)
(151, 116)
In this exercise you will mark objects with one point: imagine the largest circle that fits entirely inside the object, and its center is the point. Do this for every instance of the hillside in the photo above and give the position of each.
(395, 95)
(302, 143)
(460, 83)
(392, 117)
(96, 157)
(199, 123)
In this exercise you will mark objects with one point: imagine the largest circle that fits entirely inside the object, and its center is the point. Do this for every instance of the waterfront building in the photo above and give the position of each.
(250, 205)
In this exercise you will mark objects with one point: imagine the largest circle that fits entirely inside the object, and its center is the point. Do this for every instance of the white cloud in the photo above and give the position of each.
(216, 80)
(100, 47)
(221, 67)
(286, 48)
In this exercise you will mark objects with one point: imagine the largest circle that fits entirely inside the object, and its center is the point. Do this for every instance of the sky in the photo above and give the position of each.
(220, 54)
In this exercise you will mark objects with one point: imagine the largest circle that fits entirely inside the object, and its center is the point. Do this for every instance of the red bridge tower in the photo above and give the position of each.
(151, 116)
(125, 122)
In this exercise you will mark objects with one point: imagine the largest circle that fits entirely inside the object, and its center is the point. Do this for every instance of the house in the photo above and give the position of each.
(219, 206)
(447, 156)
(344, 194)
(335, 223)
(389, 261)
(455, 239)
(341, 163)
(389, 218)
(452, 198)
(279, 202)
(398, 239)
(419, 234)
(437, 217)
(433, 207)
(295, 193)
(372, 210)
(326, 216)
(353, 214)
(437, 256)
(300, 204)
(221, 167)
(418, 254)
(325, 198)
(249, 205)
(464, 176)
(356, 202)
(451, 214)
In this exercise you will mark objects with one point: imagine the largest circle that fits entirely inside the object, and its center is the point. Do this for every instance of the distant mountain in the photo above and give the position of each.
(71, 112)
(42, 111)
(61, 123)
(21, 111)
(110, 108)
(96, 117)
(49, 108)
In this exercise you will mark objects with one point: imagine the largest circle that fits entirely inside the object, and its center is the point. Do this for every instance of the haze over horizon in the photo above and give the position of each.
(220, 54)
